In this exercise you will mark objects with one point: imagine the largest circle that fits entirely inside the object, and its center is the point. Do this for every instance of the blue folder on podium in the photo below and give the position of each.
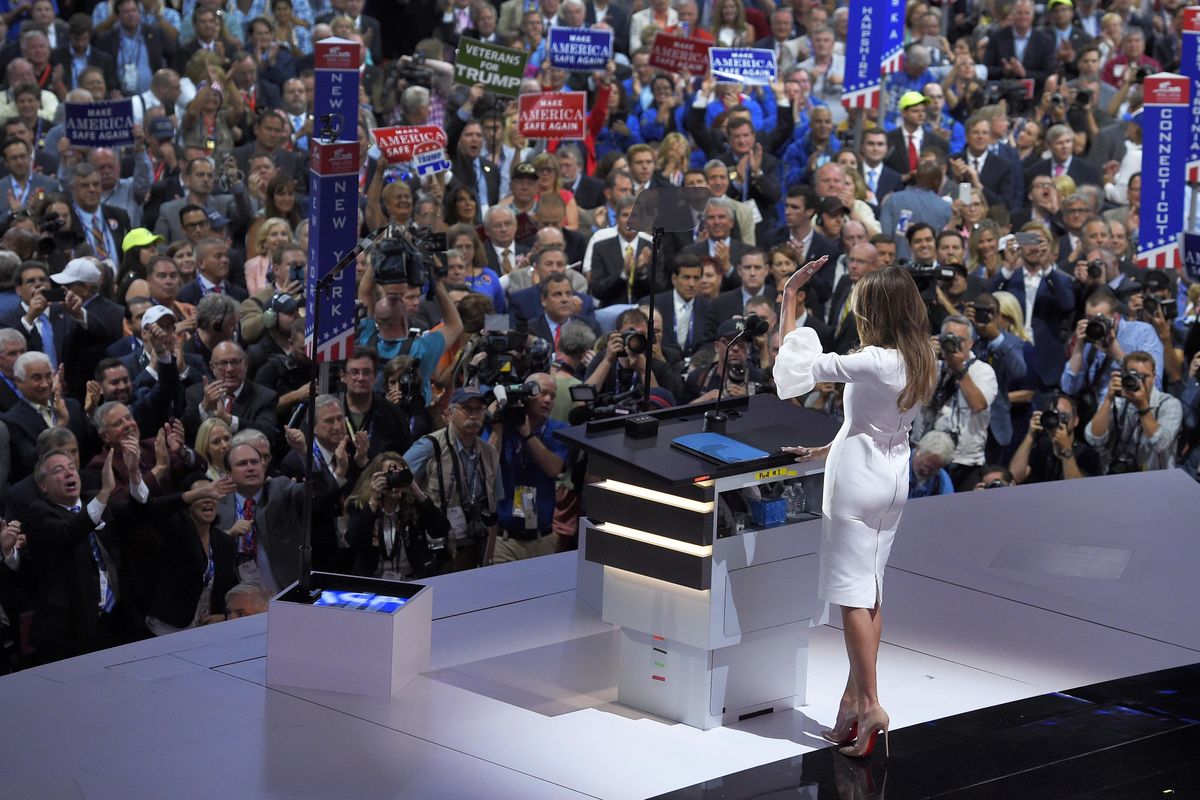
(718, 448)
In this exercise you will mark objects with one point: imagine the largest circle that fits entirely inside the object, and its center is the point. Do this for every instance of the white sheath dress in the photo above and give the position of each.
(866, 472)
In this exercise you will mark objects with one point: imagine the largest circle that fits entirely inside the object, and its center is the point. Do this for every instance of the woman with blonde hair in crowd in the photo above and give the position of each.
(212, 441)
(983, 251)
(270, 235)
(674, 157)
(1011, 321)
(729, 26)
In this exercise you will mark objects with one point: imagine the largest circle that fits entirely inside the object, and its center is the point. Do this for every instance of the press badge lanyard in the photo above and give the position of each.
(210, 569)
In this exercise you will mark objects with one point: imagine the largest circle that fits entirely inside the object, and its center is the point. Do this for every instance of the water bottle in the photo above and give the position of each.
(902, 222)
(796, 501)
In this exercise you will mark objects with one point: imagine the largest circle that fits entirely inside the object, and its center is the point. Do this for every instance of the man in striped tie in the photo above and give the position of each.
(74, 548)
(102, 227)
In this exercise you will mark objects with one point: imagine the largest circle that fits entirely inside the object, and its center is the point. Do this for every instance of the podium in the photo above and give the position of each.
(714, 628)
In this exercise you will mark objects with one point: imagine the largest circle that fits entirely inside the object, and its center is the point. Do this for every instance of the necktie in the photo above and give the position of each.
(229, 398)
(1058, 170)
(110, 599)
(557, 333)
(683, 321)
(506, 261)
(976, 164)
(250, 541)
(480, 184)
(629, 271)
(47, 415)
(98, 243)
(47, 332)
(914, 157)
(873, 180)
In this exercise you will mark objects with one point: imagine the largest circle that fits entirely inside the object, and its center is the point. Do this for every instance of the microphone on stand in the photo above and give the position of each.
(752, 325)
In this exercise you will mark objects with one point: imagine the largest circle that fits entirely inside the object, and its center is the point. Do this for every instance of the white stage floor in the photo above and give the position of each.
(991, 597)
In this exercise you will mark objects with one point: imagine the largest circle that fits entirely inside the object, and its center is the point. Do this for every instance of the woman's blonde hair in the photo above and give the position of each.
(204, 435)
(890, 312)
(264, 230)
(547, 160)
(668, 143)
(1010, 309)
(361, 495)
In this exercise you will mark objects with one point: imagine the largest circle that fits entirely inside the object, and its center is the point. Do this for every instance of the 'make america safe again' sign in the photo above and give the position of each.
(552, 115)
(499, 69)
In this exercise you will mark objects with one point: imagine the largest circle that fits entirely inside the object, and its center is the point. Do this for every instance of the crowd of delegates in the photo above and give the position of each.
(153, 374)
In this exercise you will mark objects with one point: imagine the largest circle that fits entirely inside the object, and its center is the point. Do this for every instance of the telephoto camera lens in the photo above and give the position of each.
(634, 342)
(737, 374)
(1097, 328)
(1131, 381)
(1095, 268)
(996, 484)
(1051, 419)
(983, 315)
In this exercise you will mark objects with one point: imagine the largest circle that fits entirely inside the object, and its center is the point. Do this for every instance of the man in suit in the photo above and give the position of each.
(271, 136)
(906, 141)
(1021, 51)
(990, 174)
(138, 50)
(207, 27)
(752, 273)
(102, 227)
(1069, 38)
(718, 242)
(471, 169)
(239, 402)
(59, 330)
(881, 179)
(257, 94)
(198, 176)
(558, 308)
(265, 516)
(1053, 304)
(212, 273)
(79, 606)
(525, 303)
(753, 172)
(862, 259)
(797, 230)
(683, 310)
(100, 318)
(617, 18)
(502, 250)
(782, 40)
(588, 191)
(78, 53)
(42, 406)
(613, 254)
(21, 185)
(1060, 141)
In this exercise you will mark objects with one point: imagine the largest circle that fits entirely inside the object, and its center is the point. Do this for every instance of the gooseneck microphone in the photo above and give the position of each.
(752, 325)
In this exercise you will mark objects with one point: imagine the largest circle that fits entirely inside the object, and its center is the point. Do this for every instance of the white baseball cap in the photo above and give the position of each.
(79, 270)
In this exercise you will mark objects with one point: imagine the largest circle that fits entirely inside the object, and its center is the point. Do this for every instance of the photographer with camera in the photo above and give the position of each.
(1136, 423)
(395, 529)
(961, 404)
(391, 292)
(994, 476)
(1158, 307)
(1004, 353)
(531, 459)
(1097, 267)
(460, 473)
(1050, 450)
(287, 276)
(1101, 340)
(622, 368)
(737, 376)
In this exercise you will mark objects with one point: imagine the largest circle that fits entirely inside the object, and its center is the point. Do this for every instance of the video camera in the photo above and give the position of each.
(511, 399)
(927, 278)
(1152, 305)
(412, 395)
(410, 259)
(600, 406)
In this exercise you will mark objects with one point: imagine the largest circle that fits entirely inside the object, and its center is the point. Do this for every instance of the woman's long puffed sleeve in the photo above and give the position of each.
(793, 370)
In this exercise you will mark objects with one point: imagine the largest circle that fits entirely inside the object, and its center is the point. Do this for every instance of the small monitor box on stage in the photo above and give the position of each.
(641, 426)
(354, 635)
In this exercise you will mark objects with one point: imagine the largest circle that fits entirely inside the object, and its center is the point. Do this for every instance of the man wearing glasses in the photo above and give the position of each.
(240, 403)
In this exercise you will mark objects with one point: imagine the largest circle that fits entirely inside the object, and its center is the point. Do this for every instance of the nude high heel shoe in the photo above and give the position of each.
(845, 728)
(870, 726)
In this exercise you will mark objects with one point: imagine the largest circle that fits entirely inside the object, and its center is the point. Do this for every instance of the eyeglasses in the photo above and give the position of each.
(202, 223)
(1076, 210)
(227, 363)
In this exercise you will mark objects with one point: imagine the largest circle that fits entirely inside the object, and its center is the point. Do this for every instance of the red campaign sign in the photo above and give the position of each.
(676, 54)
(1166, 89)
(397, 143)
(335, 158)
(552, 115)
(334, 53)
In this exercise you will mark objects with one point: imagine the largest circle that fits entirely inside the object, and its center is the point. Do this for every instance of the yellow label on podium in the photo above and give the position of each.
(777, 472)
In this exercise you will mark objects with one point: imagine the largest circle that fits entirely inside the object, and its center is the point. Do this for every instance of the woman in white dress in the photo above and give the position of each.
(866, 468)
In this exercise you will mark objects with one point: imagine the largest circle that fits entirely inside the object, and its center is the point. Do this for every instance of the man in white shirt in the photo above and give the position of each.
(962, 402)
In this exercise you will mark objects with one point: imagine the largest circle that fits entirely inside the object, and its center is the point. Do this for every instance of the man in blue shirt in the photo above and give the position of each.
(927, 474)
(386, 328)
(531, 459)
(1094, 357)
